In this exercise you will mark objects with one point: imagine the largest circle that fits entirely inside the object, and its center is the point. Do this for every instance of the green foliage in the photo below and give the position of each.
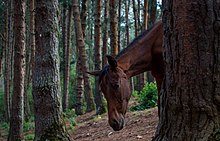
(29, 137)
(28, 126)
(73, 121)
(147, 97)
(4, 126)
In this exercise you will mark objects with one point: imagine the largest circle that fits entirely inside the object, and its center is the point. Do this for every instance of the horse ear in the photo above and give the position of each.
(94, 73)
(111, 60)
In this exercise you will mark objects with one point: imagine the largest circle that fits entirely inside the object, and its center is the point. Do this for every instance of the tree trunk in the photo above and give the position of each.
(119, 25)
(127, 3)
(67, 61)
(100, 108)
(64, 42)
(190, 96)
(153, 12)
(113, 27)
(17, 111)
(49, 123)
(82, 54)
(88, 91)
(6, 69)
(105, 34)
(79, 87)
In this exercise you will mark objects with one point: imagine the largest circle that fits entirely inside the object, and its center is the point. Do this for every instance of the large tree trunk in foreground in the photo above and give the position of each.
(17, 111)
(190, 95)
(49, 124)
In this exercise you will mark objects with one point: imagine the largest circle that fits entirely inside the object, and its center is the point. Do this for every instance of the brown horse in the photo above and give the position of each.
(143, 54)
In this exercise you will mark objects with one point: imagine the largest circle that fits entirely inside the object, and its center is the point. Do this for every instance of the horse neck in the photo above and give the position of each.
(138, 57)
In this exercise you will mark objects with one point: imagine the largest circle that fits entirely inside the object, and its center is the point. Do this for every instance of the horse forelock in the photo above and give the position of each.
(103, 72)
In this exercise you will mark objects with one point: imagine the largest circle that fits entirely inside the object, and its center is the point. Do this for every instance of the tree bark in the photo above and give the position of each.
(49, 124)
(190, 96)
(82, 53)
(67, 62)
(100, 108)
(105, 34)
(113, 27)
(87, 92)
(6, 69)
(64, 42)
(119, 25)
(17, 111)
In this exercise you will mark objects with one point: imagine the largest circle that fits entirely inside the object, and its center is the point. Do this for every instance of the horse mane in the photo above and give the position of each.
(134, 41)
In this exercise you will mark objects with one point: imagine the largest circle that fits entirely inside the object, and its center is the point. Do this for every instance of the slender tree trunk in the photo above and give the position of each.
(67, 61)
(105, 34)
(139, 16)
(49, 124)
(100, 108)
(153, 12)
(83, 17)
(119, 25)
(64, 42)
(79, 87)
(27, 78)
(147, 22)
(6, 69)
(113, 27)
(190, 96)
(82, 53)
(87, 92)
(127, 3)
(32, 36)
(17, 111)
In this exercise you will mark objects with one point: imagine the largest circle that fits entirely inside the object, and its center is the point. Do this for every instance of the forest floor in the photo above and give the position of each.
(140, 126)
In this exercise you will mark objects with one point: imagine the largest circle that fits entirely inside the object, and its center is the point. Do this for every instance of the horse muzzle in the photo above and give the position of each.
(117, 124)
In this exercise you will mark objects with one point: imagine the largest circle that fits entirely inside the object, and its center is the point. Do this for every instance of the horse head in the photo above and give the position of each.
(115, 86)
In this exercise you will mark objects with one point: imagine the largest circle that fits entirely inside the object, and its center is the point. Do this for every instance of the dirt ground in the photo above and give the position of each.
(140, 126)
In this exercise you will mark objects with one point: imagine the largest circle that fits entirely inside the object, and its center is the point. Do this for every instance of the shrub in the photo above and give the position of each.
(147, 97)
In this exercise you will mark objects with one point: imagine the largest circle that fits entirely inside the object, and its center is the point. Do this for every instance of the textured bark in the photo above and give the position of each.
(79, 88)
(127, 3)
(113, 27)
(145, 14)
(6, 69)
(153, 12)
(99, 100)
(32, 35)
(119, 25)
(17, 111)
(49, 124)
(87, 92)
(105, 34)
(64, 42)
(190, 93)
(67, 61)
(83, 17)
(82, 53)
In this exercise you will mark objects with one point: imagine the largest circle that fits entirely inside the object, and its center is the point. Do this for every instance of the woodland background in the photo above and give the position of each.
(107, 26)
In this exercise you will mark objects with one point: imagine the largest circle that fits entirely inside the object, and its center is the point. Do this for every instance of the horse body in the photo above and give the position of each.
(143, 54)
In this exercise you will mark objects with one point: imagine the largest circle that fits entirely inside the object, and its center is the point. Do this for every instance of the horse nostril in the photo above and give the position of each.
(114, 123)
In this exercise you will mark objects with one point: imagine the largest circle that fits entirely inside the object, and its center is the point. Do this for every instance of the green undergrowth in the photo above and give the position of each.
(29, 126)
(146, 98)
